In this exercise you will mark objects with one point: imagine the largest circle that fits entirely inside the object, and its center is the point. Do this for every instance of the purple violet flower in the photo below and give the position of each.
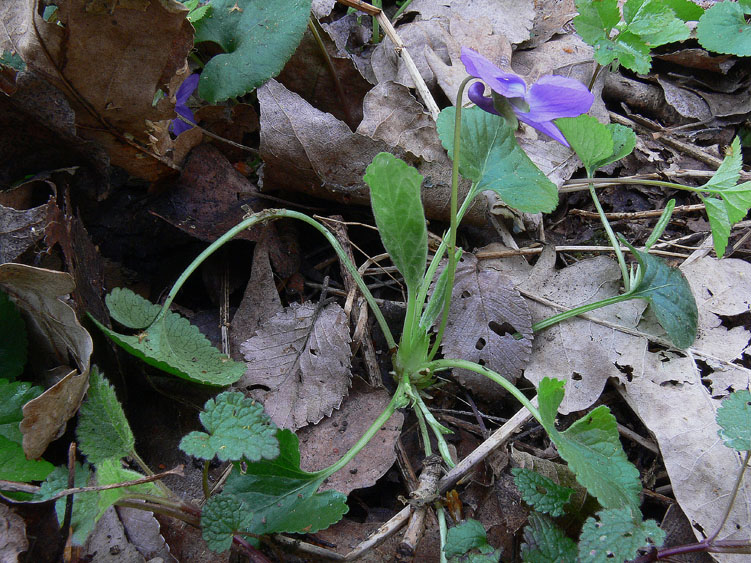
(547, 99)
(184, 92)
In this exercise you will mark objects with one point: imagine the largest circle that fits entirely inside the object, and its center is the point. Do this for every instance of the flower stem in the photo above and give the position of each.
(613, 239)
(451, 246)
(550, 321)
(731, 501)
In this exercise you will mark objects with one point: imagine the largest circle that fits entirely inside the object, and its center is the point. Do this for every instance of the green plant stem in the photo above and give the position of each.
(146, 469)
(178, 506)
(733, 496)
(376, 29)
(442, 528)
(193, 520)
(638, 181)
(401, 9)
(440, 365)
(613, 239)
(270, 215)
(438, 429)
(427, 448)
(398, 400)
(205, 480)
(451, 245)
(550, 321)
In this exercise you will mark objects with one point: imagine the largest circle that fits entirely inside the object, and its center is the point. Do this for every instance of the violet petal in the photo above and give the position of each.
(506, 84)
(476, 95)
(552, 97)
(186, 89)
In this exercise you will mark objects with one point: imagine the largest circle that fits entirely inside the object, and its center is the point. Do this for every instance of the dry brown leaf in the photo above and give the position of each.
(115, 59)
(21, 229)
(486, 311)
(326, 442)
(143, 531)
(109, 543)
(55, 335)
(301, 357)
(12, 535)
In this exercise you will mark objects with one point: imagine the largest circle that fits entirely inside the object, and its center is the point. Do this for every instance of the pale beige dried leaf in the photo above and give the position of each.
(299, 363)
(12, 535)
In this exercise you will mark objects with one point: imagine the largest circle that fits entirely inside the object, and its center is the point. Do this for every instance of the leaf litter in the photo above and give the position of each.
(307, 149)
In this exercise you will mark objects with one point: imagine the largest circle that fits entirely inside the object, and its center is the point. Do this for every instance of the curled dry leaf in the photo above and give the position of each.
(299, 363)
(57, 336)
(12, 535)
(326, 442)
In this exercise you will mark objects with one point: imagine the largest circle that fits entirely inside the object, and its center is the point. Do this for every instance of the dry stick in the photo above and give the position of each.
(638, 214)
(218, 138)
(422, 497)
(491, 254)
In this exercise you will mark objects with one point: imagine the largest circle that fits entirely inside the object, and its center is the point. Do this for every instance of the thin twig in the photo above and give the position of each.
(638, 214)
(208, 133)
(491, 254)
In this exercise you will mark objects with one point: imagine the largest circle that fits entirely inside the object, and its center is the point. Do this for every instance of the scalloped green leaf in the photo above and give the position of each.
(15, 467)
(13, 396)
(237, 428)
(493, 160)
(544, 542)
(282, 496)
(654, 22)
(130, 309)
(221, 518)
(597, 145)
(592, 449)
(670, 296)
(734, 419)
(103, 431)
(468, 542)
(723, 29)
(616, 536)
(258, 39)
(541, 493)
(174, 345)
(399, 215)
(13, 341)
(731, 202)
(685, 9)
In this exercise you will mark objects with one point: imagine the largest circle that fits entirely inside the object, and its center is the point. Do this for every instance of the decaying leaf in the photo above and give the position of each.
(20, 229)
(12, 535)
(115, 58)
(326, 442)
(486, 312)
(56, 336)
(299, 363)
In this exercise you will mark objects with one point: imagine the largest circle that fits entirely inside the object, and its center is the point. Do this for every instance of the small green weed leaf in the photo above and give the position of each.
(238, 428)
(734, 200)
(541, 493)
(734, 418)
(596, 19)
(12, 59)
(654, 22)
(130, 309)
(15, 467)
(468, 542)
(437, 298)
(13, 396)
(592, 449)
(196, 12)
(103, 431)
(258, 38)
(685, 9)
(544, 542)
(282, 496)
(109, 472)
(13, 343)
(670, 295)
(177, 347)
(597, 145)
(723, 29)
(85, 506)
(395, 197)
(492, 159)
(221, 517)
(617, 536)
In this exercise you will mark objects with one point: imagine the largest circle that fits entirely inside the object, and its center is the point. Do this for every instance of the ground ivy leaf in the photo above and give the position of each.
(685, 9)
(13, 341)
(461, 540)
(541, 493)
(395, 197)
(221, 517)
(282, 496)
(617, 536)
(592, 449)
(177, 347)
(654, 22)
(492, 159)
(103, 431)
(237, 428)
(257, 37)
(130, 309)
(671, 298)
(734, 418)
(544, 542)
(13, 396)
(723, 29)
(15, 467)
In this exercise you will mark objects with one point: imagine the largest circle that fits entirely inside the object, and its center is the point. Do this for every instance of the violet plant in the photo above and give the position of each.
(481, 142)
